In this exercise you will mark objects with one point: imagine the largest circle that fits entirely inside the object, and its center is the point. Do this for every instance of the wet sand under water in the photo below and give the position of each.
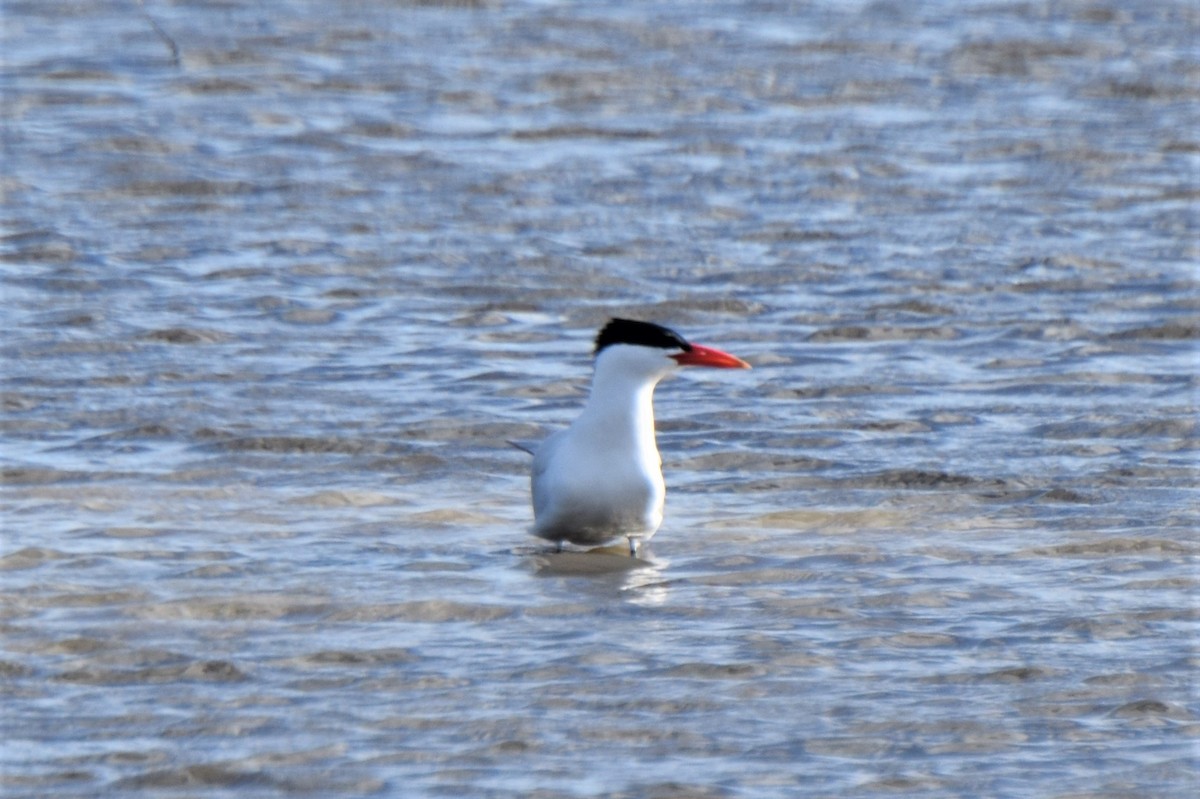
(273, 311)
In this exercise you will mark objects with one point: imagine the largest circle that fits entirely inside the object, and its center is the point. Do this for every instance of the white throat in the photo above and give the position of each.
(623, 389)
(620, 408)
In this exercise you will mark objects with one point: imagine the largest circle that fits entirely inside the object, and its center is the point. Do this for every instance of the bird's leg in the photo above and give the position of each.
(560, 543)
(632, 546)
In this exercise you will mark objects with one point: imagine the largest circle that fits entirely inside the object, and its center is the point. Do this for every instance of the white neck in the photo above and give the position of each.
(620, 409)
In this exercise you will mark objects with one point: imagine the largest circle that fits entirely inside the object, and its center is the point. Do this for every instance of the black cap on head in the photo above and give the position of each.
(642, 334)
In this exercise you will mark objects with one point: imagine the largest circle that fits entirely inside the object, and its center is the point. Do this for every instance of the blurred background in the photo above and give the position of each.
(280, 280)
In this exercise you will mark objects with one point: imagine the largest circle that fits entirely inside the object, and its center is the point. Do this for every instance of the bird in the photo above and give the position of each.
(601, 477)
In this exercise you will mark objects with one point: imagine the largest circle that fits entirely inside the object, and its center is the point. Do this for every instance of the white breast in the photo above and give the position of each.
(601, 478)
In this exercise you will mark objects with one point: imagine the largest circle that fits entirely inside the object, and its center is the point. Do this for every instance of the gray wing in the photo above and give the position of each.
(542, 459)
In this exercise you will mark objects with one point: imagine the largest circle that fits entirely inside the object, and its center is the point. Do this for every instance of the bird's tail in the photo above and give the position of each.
(520, 446)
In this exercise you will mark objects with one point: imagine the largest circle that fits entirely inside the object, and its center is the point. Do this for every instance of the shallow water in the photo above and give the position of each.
(273, 311)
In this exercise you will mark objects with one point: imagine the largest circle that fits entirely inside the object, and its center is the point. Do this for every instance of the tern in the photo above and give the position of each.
(601, 478)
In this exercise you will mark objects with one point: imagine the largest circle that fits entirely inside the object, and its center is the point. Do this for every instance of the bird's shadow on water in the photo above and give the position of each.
(603, 568)
(578, 563)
